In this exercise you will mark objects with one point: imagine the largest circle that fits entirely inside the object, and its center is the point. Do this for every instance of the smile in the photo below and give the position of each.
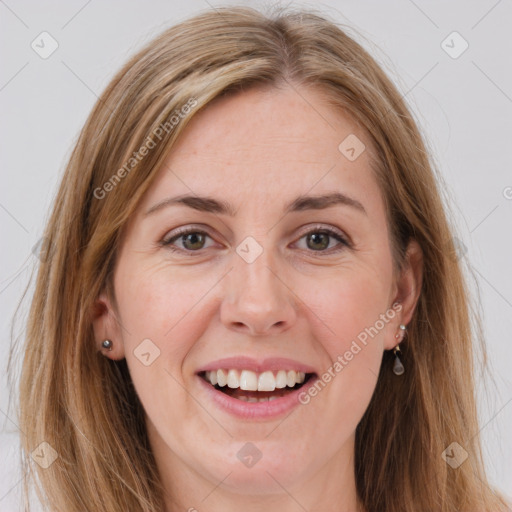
(253, 395)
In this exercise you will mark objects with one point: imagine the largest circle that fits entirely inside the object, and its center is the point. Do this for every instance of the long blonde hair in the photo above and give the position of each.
(85, 406)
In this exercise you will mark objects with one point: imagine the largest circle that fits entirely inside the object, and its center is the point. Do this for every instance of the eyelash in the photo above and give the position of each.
(167, 242)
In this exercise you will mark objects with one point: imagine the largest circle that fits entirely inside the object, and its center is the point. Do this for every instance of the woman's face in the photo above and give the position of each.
(259, 279)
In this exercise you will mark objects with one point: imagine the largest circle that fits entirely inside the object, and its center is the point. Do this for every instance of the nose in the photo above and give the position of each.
(257, 301)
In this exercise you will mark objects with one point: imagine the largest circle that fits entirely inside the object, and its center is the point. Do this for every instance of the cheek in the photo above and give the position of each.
(350, 302)
(161, 306)
(353, 318)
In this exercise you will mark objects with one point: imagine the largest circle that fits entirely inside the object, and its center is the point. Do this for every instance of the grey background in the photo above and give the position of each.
(463, 104)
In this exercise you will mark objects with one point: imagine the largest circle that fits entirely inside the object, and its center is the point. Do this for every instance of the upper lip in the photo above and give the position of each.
(257, 365)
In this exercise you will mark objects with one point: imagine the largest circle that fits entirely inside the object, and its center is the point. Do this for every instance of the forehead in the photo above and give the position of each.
(269, 144)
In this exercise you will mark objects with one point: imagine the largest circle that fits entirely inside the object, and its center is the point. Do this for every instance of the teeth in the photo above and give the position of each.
(222, 379)
(233, 380)
(281, 379)
(248, 380)
(266, 382)
(254, 399)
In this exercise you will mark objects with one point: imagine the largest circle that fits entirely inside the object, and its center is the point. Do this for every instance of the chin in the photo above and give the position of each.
(253, 471)
(260, 480)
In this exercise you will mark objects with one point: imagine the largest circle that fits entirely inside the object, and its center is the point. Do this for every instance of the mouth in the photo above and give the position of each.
(249, 386)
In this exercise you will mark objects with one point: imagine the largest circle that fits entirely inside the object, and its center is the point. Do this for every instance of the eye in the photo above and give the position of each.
(192, 240)
(319, 239)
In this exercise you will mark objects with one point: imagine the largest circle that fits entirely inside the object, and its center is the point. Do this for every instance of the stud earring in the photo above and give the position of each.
(401, 334)
(107, 344)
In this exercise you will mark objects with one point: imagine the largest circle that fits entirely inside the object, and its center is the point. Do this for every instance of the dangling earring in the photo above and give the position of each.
(107, 344)
(398, 367)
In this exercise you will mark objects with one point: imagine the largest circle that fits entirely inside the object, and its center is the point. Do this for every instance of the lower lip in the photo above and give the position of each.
(256, 410)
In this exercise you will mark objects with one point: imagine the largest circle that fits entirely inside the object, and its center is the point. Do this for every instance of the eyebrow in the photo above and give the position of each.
(301, 203)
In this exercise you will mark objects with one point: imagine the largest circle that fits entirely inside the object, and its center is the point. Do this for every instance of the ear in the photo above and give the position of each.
(408, 286)
(106, 326)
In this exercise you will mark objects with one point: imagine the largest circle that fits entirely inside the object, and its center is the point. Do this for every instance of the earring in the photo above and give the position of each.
(398, 367)
(107, 344)
(401, 334)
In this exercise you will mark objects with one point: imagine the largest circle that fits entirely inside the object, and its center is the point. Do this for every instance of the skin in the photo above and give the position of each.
(258, 151)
